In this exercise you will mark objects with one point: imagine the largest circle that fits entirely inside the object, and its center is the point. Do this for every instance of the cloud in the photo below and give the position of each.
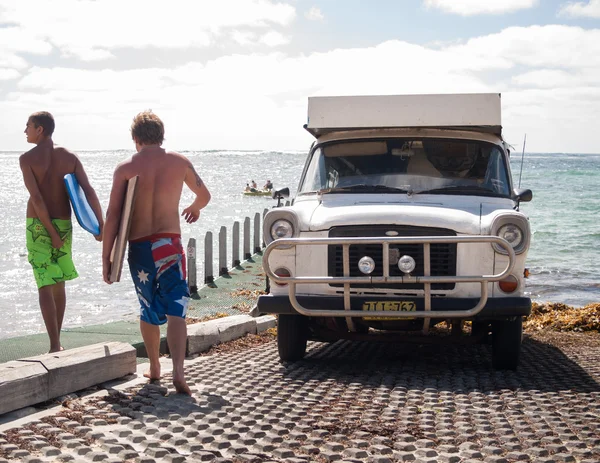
(8, 74)
(549, 77)
(552, 46)
(86, 53)
(557, 79)
(274, 39)
(590, 9)
(11, 60)
(103, 26)
(314, 14)
(243, 37)
(477, 7)
(13, 39)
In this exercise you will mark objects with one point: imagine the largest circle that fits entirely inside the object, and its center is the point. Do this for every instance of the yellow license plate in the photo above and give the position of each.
(389, 306)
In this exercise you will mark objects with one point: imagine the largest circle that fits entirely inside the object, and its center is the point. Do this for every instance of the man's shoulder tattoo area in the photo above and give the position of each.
(199, 181)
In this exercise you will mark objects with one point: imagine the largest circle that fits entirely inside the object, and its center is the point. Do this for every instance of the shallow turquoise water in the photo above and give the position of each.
(564, 213)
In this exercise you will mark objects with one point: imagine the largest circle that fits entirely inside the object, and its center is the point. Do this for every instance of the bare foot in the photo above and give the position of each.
(181, 386)
(153, 374)
(51, 351)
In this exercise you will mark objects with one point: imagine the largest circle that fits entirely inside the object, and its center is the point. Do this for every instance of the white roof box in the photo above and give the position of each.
(469, 111)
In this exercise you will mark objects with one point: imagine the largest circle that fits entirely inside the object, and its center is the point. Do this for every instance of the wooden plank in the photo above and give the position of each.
(118, 251)
(22, 384)
(75, 369)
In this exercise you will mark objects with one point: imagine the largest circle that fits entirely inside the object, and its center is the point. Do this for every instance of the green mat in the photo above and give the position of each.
(231, 294)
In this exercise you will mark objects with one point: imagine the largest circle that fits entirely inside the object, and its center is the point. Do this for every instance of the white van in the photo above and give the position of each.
(405, 217)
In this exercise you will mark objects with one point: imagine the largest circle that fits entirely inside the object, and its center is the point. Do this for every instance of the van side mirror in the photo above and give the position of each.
(280, 194)
(523, 195)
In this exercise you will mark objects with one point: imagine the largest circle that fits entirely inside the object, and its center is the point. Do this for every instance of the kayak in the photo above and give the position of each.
(257, 193)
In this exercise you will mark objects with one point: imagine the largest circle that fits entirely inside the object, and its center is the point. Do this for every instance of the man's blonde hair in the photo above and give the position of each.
(147, 129)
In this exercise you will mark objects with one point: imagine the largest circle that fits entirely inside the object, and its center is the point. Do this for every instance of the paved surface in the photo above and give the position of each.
(345, 402)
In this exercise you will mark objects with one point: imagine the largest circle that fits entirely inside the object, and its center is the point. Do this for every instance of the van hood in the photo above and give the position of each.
(468, 215)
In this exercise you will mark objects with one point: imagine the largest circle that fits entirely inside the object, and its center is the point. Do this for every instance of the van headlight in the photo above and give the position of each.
(515, 230)
(280, 223)
(511, 233)
(282, 229)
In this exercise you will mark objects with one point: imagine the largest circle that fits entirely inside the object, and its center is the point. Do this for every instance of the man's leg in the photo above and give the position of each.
(49, 314)
(177, 339)
(151, 337)
(60, 302)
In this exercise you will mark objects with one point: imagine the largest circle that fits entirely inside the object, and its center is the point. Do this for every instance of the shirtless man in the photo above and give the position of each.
(49, 230)
(156, 257)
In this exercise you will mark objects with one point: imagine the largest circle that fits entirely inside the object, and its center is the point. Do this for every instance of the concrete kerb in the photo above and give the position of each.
(202, 336)
(35, 380)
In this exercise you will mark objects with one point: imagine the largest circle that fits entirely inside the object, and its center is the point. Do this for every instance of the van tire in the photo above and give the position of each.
(292, 336)
(481, 329)
(506, 343)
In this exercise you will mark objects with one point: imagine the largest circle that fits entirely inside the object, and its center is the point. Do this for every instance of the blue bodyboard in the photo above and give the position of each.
(83, 211)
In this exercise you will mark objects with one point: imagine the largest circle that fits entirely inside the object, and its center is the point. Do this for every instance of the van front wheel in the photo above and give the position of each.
(292, 336)
(506, 343)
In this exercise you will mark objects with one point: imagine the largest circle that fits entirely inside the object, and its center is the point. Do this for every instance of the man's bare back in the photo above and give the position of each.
(161, 175)
(49, 164)
(44, 168)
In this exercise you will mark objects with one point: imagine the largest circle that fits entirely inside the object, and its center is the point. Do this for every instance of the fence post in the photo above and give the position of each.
(191, 259)
(223, 251)
(208, 259)
(247, 254)
(235, 250)
(263, 216)
(257, 232)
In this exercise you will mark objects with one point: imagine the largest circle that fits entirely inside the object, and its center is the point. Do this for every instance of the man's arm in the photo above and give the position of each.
(113, 215)
(195, 183)
(37, 200)
(90, 194)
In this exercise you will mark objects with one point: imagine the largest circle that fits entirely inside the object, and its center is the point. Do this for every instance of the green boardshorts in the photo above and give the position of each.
(50, 266)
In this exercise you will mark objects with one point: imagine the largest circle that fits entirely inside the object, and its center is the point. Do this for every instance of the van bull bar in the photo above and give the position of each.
(427, 280)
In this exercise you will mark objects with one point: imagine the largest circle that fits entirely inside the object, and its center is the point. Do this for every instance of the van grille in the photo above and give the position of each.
(443, 255)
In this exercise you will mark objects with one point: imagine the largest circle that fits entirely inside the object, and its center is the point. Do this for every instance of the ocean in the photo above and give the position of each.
(562, 259)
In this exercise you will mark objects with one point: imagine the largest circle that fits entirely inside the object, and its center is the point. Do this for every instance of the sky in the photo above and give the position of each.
(237, 74)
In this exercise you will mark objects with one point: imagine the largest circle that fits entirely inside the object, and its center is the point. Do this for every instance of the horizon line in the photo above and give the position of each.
(268, 150)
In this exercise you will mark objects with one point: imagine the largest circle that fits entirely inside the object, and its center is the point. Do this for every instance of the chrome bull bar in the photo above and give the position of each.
(427, 280)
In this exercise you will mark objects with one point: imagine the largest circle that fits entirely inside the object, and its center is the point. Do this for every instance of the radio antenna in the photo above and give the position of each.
(522, 157)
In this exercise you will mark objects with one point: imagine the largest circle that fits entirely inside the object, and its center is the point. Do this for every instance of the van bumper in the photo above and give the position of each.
(495, 308)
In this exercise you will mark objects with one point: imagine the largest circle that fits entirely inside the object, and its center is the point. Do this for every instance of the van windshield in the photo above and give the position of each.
(435, 166)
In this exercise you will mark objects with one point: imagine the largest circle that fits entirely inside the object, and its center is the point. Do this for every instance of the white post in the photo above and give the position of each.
(208, 259)
(257, 232)
(263, 216)
(223, 251)
(191, 261)
(235, 251)
(247, 254)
